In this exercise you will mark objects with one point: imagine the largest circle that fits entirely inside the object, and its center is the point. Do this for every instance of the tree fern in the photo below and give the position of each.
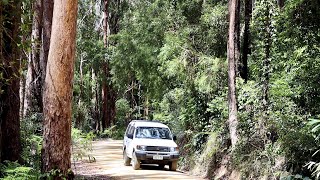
(315, 166)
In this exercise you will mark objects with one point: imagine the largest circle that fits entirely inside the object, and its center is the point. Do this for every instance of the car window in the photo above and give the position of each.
(128, 128)
(130, 131)
(153, 133)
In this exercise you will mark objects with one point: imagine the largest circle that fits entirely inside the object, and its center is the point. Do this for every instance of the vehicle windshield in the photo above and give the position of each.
(153, 133)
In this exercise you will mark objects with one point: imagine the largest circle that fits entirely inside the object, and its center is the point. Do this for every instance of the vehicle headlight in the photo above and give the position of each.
(174, 149)
(141, 147)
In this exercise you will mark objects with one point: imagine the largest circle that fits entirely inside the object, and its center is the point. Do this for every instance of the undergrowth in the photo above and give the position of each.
(113, 132)
(15, 171)
(82, 145)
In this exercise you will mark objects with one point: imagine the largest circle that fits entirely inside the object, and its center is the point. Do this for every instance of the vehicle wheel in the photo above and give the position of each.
(126, 159)
(173, 165)
(135, 162)
(161, 166)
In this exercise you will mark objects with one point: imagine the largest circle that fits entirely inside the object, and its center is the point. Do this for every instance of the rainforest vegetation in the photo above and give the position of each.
(238, 82)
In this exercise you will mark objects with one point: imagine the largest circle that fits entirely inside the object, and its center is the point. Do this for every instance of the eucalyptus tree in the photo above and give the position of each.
(33, 89)
(42, 11)
(56, 152)
(106, 88)
(47, 6)
(233, 58)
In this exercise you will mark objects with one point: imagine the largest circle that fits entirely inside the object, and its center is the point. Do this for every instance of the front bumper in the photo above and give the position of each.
(148, 155)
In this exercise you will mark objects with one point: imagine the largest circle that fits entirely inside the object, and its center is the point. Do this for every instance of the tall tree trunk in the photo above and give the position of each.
(105, 99)
(112, 105)
(131, 95)
(146, 106)
(46, 35)
(94, 101)
(58, 89)
(79, 118)
(105, 66)
(10, 18)
(114, 29)
(33, 90)
(233, 58)
(266, 70)
(246, 39)
(23, 53)
(22, 93)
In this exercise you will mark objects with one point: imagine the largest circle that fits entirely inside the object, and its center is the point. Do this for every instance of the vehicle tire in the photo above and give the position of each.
(161, 166)
(135, 162)
(173, 165)
(126, 159)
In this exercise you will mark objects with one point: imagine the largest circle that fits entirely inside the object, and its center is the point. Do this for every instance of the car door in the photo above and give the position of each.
(129, 139)
(125, 137)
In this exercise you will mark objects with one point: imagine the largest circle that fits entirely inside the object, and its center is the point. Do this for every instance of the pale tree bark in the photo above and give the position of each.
(146, 107)
(58, 89)
(105, 66)
(22, 93)
(94, 101)
(10, 18)
(24, 56)
(79, 119)
(105, 117)
(233, 58)
(33, 89)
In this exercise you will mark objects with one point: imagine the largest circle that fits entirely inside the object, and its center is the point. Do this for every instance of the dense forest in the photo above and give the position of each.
(238, 81)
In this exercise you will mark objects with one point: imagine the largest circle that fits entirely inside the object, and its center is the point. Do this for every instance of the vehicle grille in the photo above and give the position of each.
(158, 148)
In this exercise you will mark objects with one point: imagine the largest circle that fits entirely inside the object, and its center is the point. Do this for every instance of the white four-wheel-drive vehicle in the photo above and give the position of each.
(149, 142)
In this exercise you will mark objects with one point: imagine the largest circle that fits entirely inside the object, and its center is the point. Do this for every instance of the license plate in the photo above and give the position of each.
(158, 157)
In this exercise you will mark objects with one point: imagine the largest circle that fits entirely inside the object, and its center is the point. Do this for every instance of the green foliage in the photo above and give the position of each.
(315, 166)
(292, 92)
(57, 174)
(123, 113)
(31, 131)
(81, 117)
(134, 57)
(90, 55)
(298, 51)
(205, 160)
(123, 108)
(170, 57)
(82, 145)
(294, 177)
(113, 132)
(263, 30)
(14, 171)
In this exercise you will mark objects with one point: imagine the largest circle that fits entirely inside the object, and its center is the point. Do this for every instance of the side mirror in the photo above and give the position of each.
(174, 137)
(130, 136)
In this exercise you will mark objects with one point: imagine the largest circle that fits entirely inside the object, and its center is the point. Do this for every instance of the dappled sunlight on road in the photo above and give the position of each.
(108, 155)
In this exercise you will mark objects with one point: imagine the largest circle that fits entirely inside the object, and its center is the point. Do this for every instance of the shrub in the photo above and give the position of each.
(315, 166)
(31, 131)
(113, 132)
(14, 171)
(81, 145)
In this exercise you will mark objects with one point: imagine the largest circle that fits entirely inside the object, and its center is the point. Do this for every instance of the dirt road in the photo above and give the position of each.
(109, 165)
